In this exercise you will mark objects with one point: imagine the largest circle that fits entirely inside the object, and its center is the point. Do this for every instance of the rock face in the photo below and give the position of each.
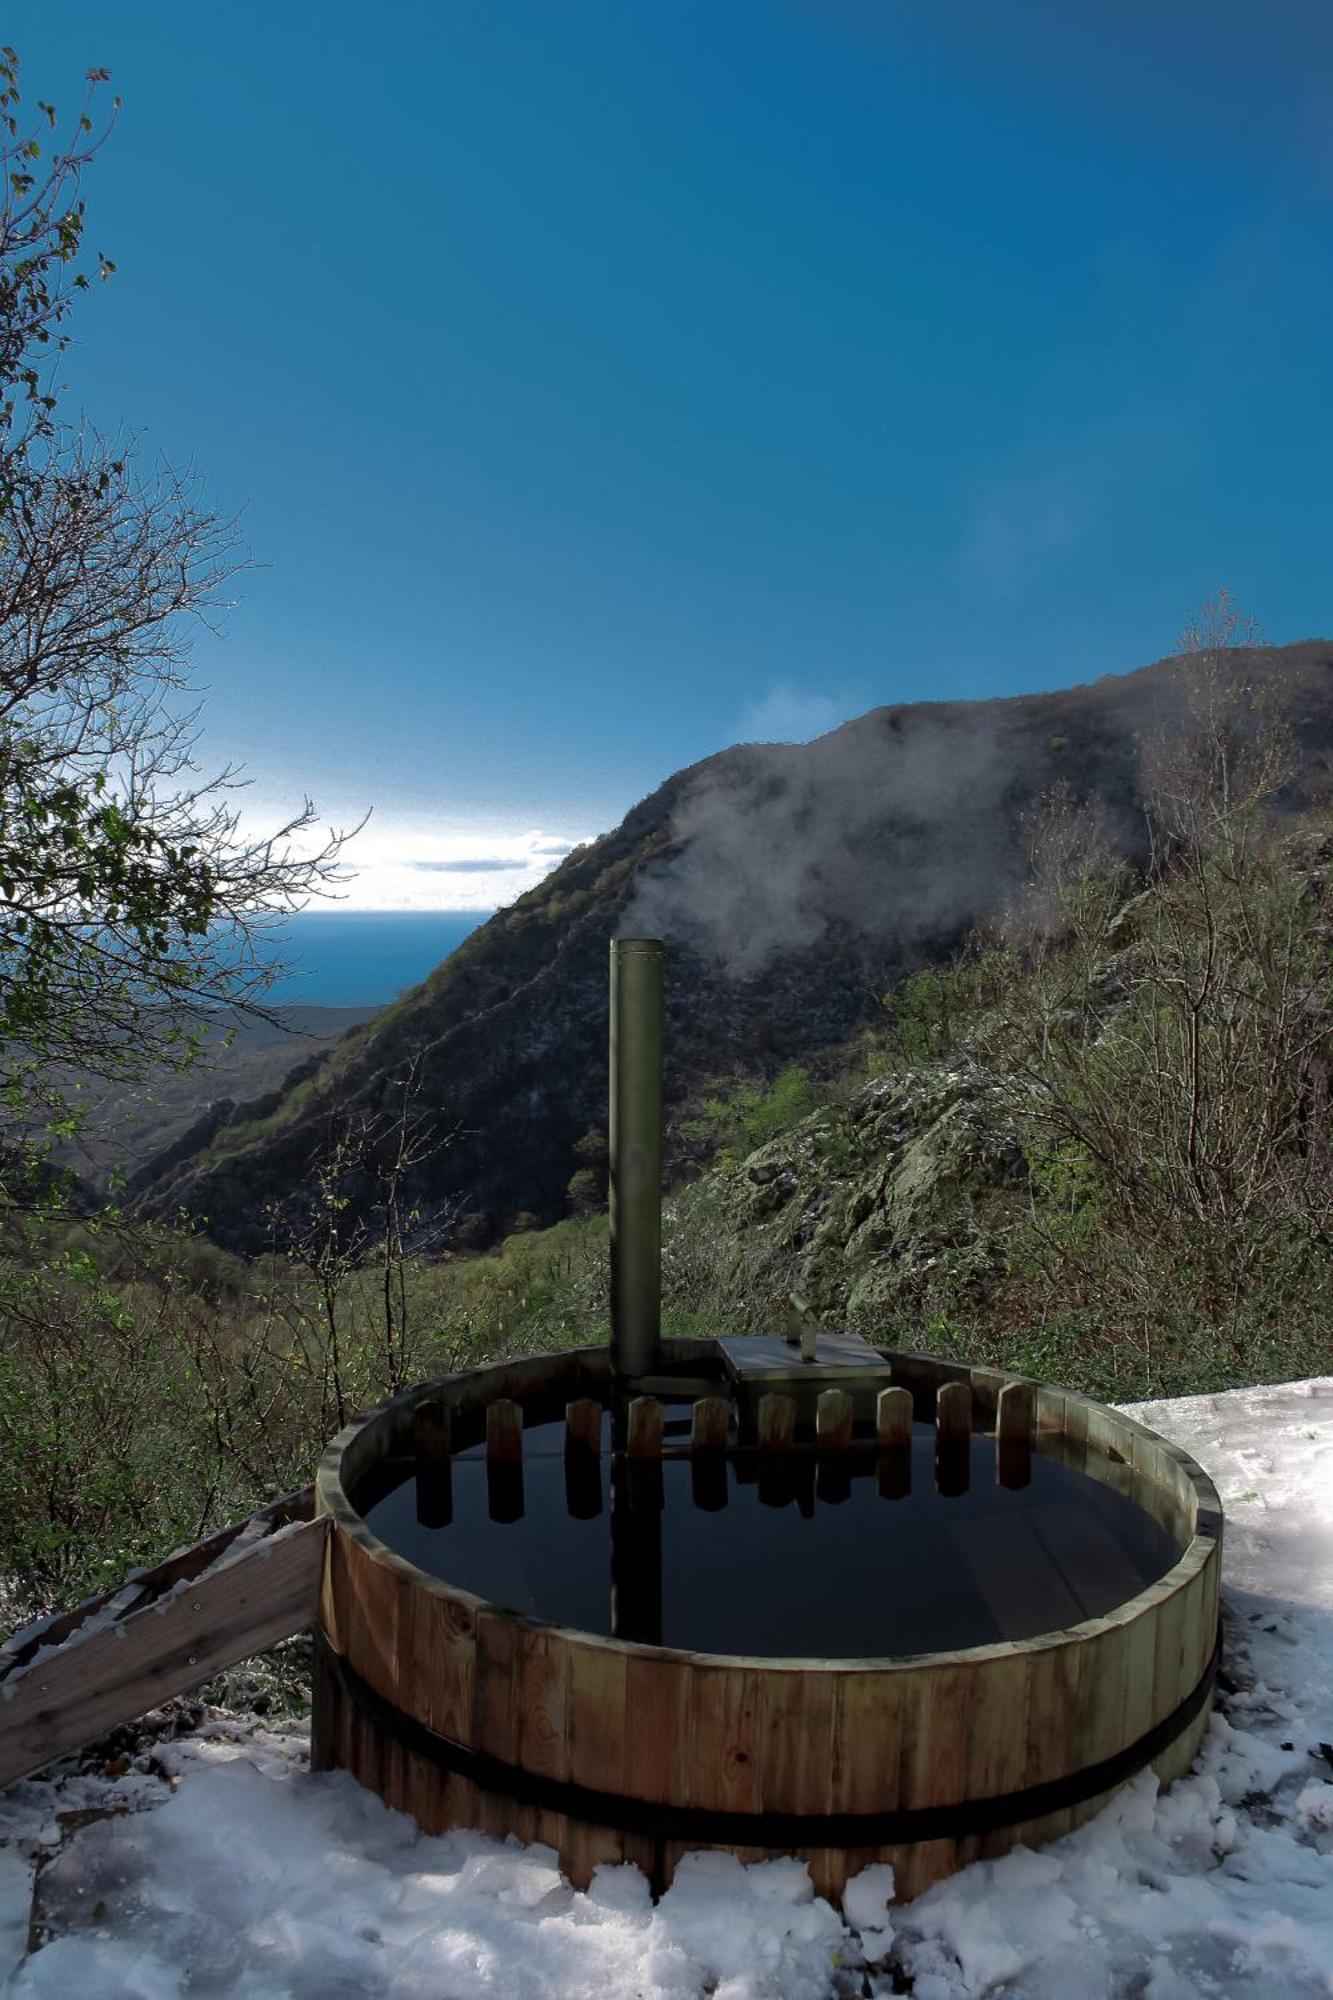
(793, 884)
(869, 1207)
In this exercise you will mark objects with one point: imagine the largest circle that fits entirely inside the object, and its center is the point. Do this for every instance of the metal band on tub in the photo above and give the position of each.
(728, 1827)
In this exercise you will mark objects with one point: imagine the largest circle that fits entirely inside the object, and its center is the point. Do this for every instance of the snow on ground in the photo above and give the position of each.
(219, 1866)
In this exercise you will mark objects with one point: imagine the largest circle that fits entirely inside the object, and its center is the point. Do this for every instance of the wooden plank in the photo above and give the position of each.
(936, 1718)
(759, 1357)
(709, 1487)
(953, 1413)
(871, 1729)
(437, 1653)
(1109, 1698)
(1013, 1435)
(710, 1424)
(583, 1425)
(659, 1749)
(1152, 1483)
(833, 1420)
(1173, 1675)
(996, 1729)
(504, 1432)
(893, 1475)
(156, 1581)
(776, 1422)
(431, 1432)
(798, 1740)
(643, 1429)
(1075, 1432)
(437, 1661)
(1179, 1756)
(431, 1797)
(1054, 1673)
(598, 1681)
(113, 1676)
(494, 1713)
(583, 1458)
(1017, 1578)
(1080, 1547)
(583, 1485)
(894, 1412)
(325, 1696)
(953, 1438)
(726, 1728)
(370, 1602)
(541, 1689)
(432, 1445)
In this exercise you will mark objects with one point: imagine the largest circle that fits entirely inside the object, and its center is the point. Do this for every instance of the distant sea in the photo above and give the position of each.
(364, 958)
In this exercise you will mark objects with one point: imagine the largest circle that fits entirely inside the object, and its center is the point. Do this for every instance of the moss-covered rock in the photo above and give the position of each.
(873, 1209)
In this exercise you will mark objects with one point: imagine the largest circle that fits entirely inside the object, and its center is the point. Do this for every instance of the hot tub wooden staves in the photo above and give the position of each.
(463, 1713)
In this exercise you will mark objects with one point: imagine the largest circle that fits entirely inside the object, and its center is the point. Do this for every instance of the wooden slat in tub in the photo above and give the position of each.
(1115, 1690)
(994, 1718)
(1173, 1651)
(369, 1597)
(935, 1731)
(659, 1747)
(495, 1713)
(726, 1723)
(598, 1695)
(541, 1687)
(726, 1732)
(872, 1707)
(1051, 1721)
(797, 1740)
(437, 1652)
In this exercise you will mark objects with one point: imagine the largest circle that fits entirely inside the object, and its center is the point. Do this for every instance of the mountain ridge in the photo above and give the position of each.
(794, 883)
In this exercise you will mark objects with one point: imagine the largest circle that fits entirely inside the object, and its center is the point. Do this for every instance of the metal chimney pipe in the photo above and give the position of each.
(635, 1146)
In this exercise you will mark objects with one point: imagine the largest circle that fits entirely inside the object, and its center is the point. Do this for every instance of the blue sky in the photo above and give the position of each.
(602, 383)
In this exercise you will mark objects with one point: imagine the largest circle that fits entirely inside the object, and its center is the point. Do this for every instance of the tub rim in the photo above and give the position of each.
(1201, 1547)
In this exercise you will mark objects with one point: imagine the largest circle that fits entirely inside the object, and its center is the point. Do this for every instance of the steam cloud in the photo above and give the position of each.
(891, 826)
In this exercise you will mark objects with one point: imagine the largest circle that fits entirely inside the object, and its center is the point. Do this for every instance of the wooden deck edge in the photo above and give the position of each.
(122, 1653)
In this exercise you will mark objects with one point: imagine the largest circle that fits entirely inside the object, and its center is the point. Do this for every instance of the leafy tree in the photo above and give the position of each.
(132, 900)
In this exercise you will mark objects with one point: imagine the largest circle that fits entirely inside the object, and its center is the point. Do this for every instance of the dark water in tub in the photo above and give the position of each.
(828, 1565)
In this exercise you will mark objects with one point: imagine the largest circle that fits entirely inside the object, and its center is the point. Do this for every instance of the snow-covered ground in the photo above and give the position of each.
(223, 1868)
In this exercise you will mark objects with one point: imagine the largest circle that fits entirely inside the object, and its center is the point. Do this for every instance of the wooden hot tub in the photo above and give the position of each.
(465, 1713)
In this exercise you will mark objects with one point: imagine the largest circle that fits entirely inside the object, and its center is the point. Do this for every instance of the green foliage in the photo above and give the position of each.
(584, 1191)
(151, 1389)
(927, 1016)
(41, 240)
(101, 1461)
(729, 1123)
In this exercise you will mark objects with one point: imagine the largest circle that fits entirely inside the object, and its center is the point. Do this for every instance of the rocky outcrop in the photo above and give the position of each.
(870, 1207)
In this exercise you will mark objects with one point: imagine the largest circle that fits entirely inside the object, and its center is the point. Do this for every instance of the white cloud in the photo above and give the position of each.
(786, 715)
(401, 861)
